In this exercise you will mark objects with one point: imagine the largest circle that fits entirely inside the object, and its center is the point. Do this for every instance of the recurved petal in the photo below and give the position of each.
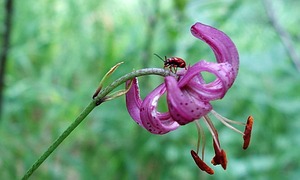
(152, 120)
(133, 101)
(183, 106)
(221, 44)
(212, 90)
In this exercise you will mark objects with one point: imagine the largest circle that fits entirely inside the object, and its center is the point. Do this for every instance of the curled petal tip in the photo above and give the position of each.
(145, 113)
(221, 44)
(154, 121)
(134, 101)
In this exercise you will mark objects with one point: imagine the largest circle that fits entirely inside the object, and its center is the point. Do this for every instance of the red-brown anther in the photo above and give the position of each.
(220, 157)
(247, 132)
(201, 164)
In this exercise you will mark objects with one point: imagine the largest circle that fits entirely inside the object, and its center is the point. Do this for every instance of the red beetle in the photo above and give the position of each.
(172, 62)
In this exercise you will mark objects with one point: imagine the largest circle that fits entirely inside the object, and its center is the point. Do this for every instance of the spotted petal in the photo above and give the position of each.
(221, 44)
(189, 96)
(213, 90)
(145, 112)
(134, 101)
(183, 106)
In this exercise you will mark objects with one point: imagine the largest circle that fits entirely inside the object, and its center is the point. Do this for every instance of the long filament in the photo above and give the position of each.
(212, 130)
(226, 119)
(201, 136)
(226, 122)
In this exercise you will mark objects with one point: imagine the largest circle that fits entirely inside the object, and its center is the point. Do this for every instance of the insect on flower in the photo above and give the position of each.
(172, 62)
(189, 96)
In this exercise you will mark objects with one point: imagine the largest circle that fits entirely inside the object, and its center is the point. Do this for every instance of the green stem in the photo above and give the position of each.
(129, 76)
(90, 107)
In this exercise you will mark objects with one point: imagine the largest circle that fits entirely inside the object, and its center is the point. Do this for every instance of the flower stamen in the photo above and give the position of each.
(248, 127)
(201, 137)
(226, 119)
(247, 132)
(220, 157)
(226, 122)
(201, 164)
(213, 131)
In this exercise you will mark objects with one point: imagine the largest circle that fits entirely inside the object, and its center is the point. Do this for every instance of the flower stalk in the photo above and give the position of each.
(99, 98)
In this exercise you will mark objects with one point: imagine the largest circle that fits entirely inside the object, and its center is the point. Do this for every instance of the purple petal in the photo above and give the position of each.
(183, 107)
(133, 101)
(221, 44)
(154, 121)
(213, 90)
(188, 98)
(145, 113)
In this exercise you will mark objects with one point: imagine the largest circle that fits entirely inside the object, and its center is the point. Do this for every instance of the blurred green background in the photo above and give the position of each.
(61, 49)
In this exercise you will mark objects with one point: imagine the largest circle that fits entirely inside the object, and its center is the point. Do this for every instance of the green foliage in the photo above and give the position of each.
(61, 49)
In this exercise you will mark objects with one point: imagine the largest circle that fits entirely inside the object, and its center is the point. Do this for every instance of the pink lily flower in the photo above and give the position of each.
(189, 96)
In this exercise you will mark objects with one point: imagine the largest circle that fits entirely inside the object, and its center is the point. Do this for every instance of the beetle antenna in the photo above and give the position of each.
(159, 57)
